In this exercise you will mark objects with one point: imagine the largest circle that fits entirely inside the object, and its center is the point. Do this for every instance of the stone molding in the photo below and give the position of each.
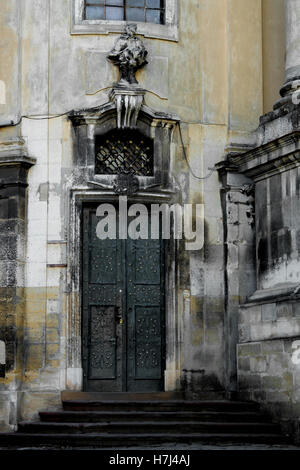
(14, 152)
(281, 292)
(94, 115)
(261, 162)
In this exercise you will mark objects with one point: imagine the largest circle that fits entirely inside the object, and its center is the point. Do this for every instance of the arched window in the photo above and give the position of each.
(147, 11)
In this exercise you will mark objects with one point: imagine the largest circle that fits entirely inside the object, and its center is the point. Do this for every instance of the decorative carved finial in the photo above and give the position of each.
(129, 54)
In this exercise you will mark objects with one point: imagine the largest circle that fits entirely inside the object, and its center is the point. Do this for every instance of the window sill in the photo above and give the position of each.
(148, 30)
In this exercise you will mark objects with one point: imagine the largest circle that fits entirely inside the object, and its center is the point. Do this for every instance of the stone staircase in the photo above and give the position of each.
(124, 420)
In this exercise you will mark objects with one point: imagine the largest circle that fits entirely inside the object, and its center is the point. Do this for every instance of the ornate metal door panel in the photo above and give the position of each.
(123, 312)
(145, 314)
(102, 330)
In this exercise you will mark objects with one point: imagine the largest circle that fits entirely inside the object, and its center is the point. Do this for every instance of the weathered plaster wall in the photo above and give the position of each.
(10, 59)
(213, 79)
(12, 215)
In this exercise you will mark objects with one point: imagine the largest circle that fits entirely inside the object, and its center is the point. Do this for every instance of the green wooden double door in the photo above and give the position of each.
(123, 327)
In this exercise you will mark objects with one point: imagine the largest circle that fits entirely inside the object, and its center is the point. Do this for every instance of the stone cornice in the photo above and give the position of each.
(14, 152)
(14, 159)
(94, 115)
(260, 162)
(281, 292)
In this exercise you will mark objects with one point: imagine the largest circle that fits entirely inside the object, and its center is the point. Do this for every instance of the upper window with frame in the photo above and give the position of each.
(154, 18)
(147, 11)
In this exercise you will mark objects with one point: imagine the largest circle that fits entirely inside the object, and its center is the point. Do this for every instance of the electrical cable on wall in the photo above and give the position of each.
(13, 124)
(188, 163)
(212, 170)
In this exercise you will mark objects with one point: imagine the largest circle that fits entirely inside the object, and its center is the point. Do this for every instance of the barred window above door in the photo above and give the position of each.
(146, 11)
(124, 152)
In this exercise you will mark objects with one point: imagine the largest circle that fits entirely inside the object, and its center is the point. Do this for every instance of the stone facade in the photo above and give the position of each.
(215, 67)
(268, 319)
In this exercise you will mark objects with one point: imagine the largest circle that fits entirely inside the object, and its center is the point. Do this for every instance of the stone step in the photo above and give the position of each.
(137, 420)
(121, 396)
(86, 440)
(120, 416)
(158, 405)
(149, 428)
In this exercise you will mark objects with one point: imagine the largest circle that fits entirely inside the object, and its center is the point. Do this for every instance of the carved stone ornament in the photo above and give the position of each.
(129, 54)
(249, 191)
(126, 184)
(128, 104)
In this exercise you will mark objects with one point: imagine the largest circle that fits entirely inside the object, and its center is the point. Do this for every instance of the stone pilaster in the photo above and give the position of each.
(237, 197)
(14, 165)
(292, 66)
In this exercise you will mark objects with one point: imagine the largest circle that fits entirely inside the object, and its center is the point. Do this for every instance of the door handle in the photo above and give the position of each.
(118, 314)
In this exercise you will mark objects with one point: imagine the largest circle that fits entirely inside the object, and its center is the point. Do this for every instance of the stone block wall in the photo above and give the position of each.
(268, 365)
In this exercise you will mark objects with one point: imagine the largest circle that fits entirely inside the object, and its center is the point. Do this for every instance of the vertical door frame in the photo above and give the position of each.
(173, 301)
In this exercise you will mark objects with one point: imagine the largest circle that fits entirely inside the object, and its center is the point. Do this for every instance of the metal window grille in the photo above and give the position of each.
(124, 152)
(146, 11)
